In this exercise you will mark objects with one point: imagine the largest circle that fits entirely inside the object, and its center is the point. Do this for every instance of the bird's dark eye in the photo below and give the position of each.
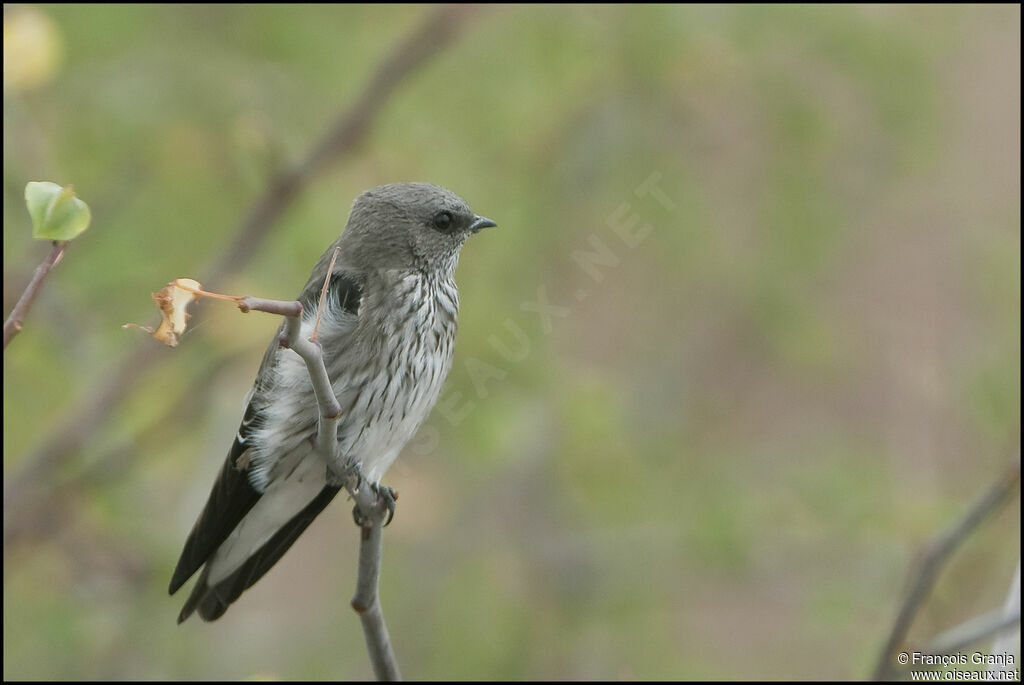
(443, 221)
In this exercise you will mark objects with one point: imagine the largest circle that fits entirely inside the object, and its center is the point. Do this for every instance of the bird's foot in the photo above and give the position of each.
(385, 495)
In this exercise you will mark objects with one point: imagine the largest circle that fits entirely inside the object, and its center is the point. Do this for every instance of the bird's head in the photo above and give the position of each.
(408, 226)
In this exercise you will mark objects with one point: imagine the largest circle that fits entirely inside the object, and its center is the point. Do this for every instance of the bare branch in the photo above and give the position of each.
(974, 630)
(349, 130)
(43, 517)
(366, 601)
(14, 322)
(435, 33)
(1008, 641)
(290, 309)
(934, 557)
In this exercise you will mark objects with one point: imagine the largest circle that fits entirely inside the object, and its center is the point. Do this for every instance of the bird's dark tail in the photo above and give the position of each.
(213, 600)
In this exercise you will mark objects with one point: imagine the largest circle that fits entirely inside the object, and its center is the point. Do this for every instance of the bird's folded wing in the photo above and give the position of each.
(230, 500)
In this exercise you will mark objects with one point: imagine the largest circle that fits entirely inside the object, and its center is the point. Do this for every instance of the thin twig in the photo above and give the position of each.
(934, 557)
(366, 601)
(323, 295)
(290, 309)
(438, 30)
(349, 130)
(1008, 641)
(974, 630)
(14, 322)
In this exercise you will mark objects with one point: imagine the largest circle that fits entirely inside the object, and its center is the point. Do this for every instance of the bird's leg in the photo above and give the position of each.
(385, 495)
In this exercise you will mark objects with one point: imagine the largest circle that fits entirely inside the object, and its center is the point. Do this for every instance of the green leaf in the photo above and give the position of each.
(56, 213)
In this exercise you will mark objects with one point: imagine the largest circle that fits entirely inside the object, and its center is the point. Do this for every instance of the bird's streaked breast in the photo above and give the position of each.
(387, 374)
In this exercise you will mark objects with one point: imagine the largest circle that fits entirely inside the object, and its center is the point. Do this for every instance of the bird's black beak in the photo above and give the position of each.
(480, 223)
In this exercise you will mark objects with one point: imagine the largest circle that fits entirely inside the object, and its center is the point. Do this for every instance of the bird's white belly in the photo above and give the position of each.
(395, 411)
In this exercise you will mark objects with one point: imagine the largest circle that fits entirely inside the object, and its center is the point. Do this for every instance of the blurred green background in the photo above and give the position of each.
(716, 461)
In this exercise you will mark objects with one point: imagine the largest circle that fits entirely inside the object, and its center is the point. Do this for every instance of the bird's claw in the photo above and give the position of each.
(390, 498)
(384, 494)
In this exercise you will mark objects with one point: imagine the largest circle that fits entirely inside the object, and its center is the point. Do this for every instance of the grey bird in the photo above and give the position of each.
(387, 330)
